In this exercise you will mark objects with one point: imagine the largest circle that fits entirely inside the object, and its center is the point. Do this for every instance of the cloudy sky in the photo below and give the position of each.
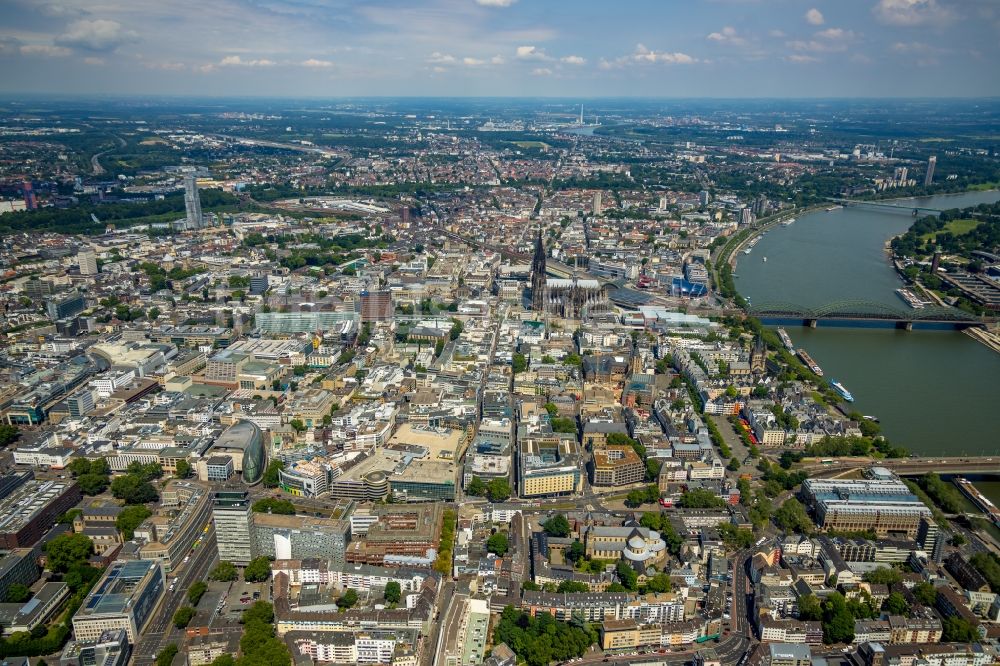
(592, 48)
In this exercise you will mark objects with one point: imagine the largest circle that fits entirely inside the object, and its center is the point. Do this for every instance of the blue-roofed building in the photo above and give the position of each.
(682, 287)
(885, 506)
(124, 598)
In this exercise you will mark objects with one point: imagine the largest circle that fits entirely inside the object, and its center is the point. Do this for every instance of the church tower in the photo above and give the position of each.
(538, 274)
(635, 362)
(758, 356)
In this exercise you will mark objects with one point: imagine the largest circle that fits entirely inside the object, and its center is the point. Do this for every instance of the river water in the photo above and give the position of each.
(936, 392)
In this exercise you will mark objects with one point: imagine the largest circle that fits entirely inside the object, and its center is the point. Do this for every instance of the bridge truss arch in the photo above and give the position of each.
(861, 309)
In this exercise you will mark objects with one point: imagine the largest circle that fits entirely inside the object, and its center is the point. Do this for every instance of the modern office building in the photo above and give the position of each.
(87, 261)
(494, 436)
(617, 466)
(169, 534)
(18, 566)
(301, 537)
(885, 506)
(259, 284)
(219, 468)
(929, 176)
(124, 598)
(302, 322)
(65, 306)
(425, 481)
(548, 466)
(81, 403)
(30, 510)
(192, 202)
(109, 649)
(307, 478)
(234, 525)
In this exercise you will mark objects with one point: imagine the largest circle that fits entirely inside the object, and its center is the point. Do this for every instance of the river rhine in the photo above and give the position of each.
(936, 392)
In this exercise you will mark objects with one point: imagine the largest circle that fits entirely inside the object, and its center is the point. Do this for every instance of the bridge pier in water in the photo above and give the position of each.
(812, 323)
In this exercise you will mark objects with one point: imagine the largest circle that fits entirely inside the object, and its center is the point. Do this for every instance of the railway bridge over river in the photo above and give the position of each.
(866, 314)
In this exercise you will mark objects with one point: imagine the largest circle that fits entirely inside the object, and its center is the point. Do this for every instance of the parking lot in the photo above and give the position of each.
(224, 603)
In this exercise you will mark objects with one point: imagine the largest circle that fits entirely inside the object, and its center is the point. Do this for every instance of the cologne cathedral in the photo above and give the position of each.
(572, 298)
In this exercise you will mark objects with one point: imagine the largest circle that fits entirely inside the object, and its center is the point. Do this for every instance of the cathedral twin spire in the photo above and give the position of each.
(538, 274)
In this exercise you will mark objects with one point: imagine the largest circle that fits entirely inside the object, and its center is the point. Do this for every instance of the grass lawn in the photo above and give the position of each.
(956, 227)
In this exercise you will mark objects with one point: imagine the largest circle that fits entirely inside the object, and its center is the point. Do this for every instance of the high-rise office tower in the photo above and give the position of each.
(88, 262)
(598, 208)
(581, 114)
(231, 510)
(192, 202)
(30, 202)
(929, 177)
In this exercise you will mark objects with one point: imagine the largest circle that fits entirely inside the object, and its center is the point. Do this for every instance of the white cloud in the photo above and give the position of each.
(497, 60)
(910, 12)
(97, 35)
(44, 50)
(495, 3)
(237, 61)
(727, 35)
(541, 71)
(800, 59)
(835, 33)
(438, 58)
(644, 55)
(531, 53)
(573, 60)
(316, 64)
(472, 62)
(93, 60)
(815, 17)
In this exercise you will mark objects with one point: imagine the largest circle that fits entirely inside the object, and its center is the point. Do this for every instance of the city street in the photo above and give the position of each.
(161, 631)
